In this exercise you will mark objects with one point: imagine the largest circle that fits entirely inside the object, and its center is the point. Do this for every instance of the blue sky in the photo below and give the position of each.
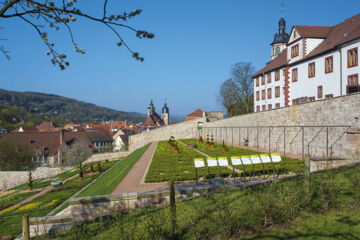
(196, 43)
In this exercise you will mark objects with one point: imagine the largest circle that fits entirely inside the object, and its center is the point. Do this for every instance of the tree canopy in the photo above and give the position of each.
(14, 156)
(236, 93)
(43, 15)
(77, 153)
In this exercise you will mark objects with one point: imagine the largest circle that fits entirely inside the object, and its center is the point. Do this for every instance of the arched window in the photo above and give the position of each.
(277, 51)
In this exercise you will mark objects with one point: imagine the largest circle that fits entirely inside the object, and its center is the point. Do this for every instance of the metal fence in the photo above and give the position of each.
(317, 141)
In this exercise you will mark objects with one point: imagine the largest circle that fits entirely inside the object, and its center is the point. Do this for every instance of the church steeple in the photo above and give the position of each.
(165, 114)
(280, 38)
(150, 108)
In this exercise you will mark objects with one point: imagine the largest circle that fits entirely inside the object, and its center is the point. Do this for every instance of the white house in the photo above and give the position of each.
(312, 63)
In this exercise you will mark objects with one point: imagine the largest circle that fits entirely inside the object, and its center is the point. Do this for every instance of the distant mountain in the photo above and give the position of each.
(71, 110)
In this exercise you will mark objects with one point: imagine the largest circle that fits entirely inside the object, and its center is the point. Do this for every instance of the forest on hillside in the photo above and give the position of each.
(33, 106)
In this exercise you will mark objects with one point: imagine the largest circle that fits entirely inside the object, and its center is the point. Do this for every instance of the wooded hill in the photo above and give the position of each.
(67, 109)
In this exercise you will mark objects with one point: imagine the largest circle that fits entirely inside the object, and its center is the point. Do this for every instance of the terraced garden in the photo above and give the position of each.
(11, 217)
(277, 210)
(287, 165)
(166, 165)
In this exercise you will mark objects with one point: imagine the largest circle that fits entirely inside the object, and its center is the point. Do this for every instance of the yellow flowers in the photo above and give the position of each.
(53, 202)
(28, 207)
(9, 209)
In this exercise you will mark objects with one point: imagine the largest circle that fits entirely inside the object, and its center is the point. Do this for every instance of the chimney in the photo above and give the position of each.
(61, 136)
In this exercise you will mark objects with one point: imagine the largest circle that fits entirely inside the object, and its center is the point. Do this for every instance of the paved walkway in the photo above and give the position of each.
(132, 181)
(42, 192)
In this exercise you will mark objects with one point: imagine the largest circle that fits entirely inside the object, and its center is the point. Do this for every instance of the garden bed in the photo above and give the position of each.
(286, 166)
(166, 165)
(10, 221)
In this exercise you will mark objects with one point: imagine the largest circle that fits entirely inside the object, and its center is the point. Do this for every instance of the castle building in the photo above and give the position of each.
(153, 120)
(312, 63)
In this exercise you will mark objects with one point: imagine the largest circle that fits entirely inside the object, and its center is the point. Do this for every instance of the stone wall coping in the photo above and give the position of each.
(50, 219)
(157, 193)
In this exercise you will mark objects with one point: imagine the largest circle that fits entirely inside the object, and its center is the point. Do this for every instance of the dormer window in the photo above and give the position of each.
(295, 50)
(277, 51)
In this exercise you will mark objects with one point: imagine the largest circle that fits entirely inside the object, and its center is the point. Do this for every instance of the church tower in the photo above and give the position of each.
(280, 38)
(165, 114)
(151, 108)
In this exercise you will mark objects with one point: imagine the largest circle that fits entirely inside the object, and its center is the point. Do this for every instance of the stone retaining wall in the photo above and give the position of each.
(185, 129)
(104, 156)
(336, 111)
(13, 178)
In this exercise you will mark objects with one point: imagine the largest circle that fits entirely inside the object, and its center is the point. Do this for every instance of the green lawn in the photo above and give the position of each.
(166, 165)
(287, 165)
(108, 182)
(276, 210)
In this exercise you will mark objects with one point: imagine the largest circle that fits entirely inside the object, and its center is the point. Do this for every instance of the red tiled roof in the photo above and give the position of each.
(344, 32)
(153, 120)
(26, 129)
(49, 142)
(276, 63)
(45, 126)
(313, 31)
(335, 36)
(197, 113)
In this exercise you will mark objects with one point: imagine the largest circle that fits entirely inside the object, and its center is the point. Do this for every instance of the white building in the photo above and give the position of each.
(312, 63)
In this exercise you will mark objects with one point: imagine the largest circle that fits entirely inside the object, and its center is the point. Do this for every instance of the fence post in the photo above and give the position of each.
(327, 141)
(307, 176)
(302, 146)
(269, 141)
(257, 137)
(26, 228)
(172, 208)
(284, 141)
(232, 136)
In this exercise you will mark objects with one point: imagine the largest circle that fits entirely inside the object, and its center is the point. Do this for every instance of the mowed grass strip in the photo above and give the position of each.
(166, 165)
(287, 165)
(108, 182)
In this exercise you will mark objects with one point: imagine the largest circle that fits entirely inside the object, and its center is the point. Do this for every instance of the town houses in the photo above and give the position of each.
(309, 64)
(49, 144)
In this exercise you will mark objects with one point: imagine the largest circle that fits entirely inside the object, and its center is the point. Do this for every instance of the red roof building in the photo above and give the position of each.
(312, 63)
(198, 113)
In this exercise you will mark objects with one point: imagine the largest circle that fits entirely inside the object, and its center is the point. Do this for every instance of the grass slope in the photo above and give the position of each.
(276, 210)
(108, 182)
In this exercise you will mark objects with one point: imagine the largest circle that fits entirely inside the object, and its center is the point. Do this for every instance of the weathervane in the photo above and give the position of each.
(282, 9)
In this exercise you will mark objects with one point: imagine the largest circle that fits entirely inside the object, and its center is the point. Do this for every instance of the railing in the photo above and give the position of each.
(285, 132)
(352, 89)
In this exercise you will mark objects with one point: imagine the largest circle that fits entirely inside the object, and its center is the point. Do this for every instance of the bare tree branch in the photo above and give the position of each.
(54, 15)
(236, 93)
